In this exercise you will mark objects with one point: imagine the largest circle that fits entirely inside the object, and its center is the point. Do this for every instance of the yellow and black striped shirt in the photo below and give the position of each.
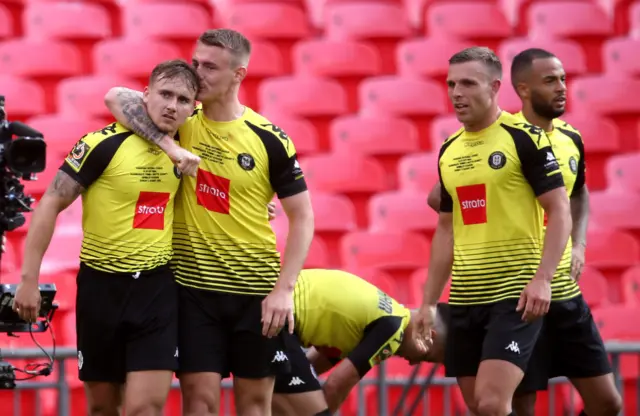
(490, 180)
(127, 205)
(568, 148)
(222, 237)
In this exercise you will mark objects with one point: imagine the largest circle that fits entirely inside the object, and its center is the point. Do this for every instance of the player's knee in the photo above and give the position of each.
(104, 409)
(611, 405)
(148, 408)
(492, 405)
(199, 400)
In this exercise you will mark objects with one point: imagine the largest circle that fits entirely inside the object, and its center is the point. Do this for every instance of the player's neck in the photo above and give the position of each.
(536, 119)
(492, 116)
(226, 109)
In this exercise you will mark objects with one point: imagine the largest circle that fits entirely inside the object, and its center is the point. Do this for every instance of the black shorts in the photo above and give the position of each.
(570, 345)
(488, 332)
(302, 378)
(125, 323)
(222, 333)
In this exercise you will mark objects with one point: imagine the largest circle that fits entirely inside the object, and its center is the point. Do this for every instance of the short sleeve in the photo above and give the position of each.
(539, 164)
(285, 175)
(91, 155)
(446, 202)
(581, 168)
(381, 340)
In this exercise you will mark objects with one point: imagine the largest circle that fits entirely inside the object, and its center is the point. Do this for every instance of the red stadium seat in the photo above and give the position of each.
(382, 23)
(480, 22)
(615, 209)
(623, 172)
(39, 58)
(367, 135)
(63, 253)
(348, 61)
(24, 98)
(344, 173)
(599, 134)
(66, 20)
(354, 175)
(10, 260)
(302, 131)
(508, 98)
(385, 250)
(399, 211)
(418, 172)
(62, 131)
(427, 57)
(6, 23)
(634, 20)
(335, 58)
(631, 286)
(264, 20)
(611, 248)
(318, 256)
(303, 96)
(594, 287)
(614, 96)
(416, 287)
(619, 56)
(267, 60)
(333, 212)
(409, 97)
(179, 20)
(568, 51)
(444, 126)
(133, 58)
(84, 96)
(589, 25)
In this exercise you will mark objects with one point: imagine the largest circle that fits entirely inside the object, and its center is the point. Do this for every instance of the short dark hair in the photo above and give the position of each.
(479, 54)
(176, 68)
(523, 61)
(235, 42)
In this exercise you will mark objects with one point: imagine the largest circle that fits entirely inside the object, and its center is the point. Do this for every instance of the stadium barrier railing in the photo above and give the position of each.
(58, 381)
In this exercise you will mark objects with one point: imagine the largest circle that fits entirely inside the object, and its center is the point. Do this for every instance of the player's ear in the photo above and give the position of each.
(495, 85)
(240, 73)
(145, 95)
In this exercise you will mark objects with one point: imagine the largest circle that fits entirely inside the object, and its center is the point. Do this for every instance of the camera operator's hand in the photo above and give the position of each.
(27, 301)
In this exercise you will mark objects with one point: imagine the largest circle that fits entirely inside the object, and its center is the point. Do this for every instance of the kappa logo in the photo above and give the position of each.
(150, 208)
(80, 360)
(513, 347)
(295, 381)
(280, 357)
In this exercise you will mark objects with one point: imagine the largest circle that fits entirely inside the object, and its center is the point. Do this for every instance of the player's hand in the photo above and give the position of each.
(577, 261)
(185, 161)
(423, 330)
(27, 301)
(277, 309)
(534, 299)
(271, 210)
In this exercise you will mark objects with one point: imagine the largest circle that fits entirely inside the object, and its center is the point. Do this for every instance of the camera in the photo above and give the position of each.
(22, 155)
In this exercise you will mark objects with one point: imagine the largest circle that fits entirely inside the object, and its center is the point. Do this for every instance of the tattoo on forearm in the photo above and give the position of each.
(137, 117)
(64, 186)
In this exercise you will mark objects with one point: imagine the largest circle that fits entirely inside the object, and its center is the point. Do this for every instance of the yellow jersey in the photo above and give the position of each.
(568, 148)
(222, 237)
(490, 180)
(127, 205)
(343, 315)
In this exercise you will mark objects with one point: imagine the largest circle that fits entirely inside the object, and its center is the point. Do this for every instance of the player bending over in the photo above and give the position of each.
(351, 325)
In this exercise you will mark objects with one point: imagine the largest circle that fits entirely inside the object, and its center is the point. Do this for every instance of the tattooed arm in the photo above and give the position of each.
(128, 108)
(60, 194)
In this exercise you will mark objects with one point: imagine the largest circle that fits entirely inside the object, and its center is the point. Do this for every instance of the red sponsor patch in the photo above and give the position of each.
(473, 203)
(150, 210)
(212, 192)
